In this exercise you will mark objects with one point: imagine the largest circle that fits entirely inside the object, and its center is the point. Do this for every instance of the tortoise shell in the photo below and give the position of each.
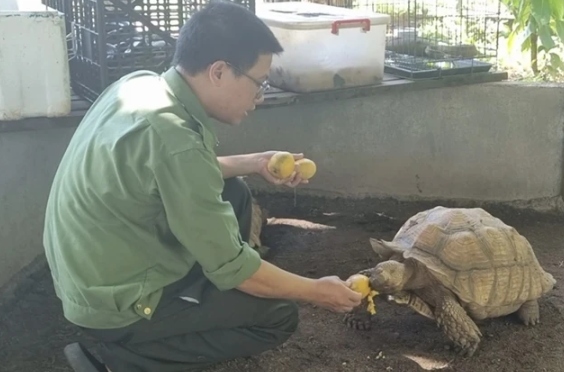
(474, 254)
(258, 220)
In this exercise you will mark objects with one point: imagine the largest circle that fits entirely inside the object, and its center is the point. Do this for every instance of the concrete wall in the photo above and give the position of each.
(494, 142)
(28, 161)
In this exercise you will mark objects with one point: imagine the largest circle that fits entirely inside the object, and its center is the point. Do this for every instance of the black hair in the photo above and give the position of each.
(223, 31)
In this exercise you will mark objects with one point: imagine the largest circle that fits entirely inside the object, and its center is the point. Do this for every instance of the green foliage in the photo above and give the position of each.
(539, 24)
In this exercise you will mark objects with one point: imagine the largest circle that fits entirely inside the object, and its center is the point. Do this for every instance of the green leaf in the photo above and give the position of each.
(541, 10)
(511, 40)
(519, 32)
(557, 7)
(545, 37)
(526, 45)
(532, 26)
(522, 5)
(523, 13)
(559, 25)
(556, 61)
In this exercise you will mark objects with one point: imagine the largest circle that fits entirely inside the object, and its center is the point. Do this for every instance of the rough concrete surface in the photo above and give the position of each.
(28, 161)
(318, 237)
(494, 142)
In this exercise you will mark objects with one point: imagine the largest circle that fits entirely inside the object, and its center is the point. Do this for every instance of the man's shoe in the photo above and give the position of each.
(81, 360)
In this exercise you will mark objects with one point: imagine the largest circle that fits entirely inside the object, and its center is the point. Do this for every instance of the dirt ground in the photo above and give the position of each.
(317, 238)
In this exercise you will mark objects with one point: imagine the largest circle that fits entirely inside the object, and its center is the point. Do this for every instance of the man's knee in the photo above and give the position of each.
(239, 195)
(285, 318)
(236, 190)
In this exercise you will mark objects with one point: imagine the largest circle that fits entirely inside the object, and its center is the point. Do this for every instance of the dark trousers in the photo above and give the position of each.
(184, 336)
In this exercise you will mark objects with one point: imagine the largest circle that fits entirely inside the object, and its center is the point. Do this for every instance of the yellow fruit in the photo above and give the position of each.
(281, 164)
(371, 306)
(361, 284)
(306, 168)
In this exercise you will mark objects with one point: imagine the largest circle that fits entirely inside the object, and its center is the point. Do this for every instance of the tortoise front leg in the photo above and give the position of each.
(359, 318)
(414, 302)
(456, 325)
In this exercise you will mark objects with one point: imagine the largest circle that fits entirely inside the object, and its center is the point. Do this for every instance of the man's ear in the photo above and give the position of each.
(217, 71)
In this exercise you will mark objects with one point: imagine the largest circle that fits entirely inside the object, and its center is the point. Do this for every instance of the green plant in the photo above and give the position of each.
(539, 24)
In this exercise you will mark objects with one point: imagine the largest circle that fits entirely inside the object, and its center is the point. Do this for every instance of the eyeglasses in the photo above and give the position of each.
(262, 86)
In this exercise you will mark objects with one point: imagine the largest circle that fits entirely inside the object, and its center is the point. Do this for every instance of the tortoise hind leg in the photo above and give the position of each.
(457, 326)
(529, 313)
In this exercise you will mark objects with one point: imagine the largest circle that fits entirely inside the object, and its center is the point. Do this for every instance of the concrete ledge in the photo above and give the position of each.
(550, 206)
(498, 142)
(275, 98)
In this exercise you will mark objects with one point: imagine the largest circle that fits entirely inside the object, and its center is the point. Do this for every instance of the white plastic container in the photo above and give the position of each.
(325, 47)
(34, 70)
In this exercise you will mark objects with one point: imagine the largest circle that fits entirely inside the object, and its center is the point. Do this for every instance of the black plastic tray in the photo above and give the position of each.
(426, 69)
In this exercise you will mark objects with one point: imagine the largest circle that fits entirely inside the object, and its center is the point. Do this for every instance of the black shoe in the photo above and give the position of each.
(81, 360)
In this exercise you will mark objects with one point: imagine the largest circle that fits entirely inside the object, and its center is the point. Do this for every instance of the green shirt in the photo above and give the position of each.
(136, 201)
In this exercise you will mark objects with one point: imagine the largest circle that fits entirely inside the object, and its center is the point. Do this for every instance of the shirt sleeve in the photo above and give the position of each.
(190, 184)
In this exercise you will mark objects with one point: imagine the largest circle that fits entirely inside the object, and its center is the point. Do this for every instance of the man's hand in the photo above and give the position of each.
(262, 169)
(329, 292)
(335, 295)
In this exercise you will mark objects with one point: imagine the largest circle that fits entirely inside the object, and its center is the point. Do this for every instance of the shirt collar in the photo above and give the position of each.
(188, 99)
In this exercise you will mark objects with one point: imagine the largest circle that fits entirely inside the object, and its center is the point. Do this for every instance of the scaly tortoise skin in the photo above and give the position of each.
(455, 266)
(258, 220)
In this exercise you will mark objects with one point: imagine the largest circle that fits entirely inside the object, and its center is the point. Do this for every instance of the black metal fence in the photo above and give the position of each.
(430, 38)
(111, 38)
(425, 38)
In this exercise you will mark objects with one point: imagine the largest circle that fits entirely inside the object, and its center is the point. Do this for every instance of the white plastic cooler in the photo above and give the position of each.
(34, 71)
(325, 47)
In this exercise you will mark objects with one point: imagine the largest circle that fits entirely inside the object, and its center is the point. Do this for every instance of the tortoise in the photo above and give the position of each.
(258, 220)
(456, 266)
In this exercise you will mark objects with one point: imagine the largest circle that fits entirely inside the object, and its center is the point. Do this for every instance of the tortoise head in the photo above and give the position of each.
(389, 277)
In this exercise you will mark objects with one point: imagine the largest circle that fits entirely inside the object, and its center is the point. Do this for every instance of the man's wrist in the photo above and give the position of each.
(257, 162)
(252, 163)
(240, 165)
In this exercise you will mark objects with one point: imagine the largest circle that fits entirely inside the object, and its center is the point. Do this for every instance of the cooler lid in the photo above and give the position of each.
(306, 15)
